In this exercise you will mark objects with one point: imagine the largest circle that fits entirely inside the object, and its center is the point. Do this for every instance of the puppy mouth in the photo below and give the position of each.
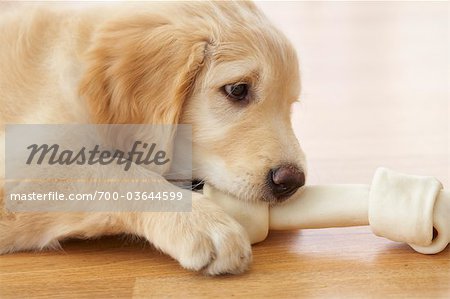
(197, 186)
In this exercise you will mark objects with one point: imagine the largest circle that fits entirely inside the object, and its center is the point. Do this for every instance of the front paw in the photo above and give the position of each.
(216, 245)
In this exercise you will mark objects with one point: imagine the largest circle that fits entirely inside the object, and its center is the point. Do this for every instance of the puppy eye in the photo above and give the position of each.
(237, 92)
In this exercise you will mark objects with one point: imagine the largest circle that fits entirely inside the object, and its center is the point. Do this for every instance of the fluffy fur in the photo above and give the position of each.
(155, 63)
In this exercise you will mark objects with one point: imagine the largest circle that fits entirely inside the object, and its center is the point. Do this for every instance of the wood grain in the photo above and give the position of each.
(338, 263)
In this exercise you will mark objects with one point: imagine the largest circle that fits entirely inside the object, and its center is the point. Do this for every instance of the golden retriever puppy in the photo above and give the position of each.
(218, 66)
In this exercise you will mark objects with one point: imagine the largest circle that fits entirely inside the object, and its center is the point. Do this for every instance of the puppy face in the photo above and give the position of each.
(219, 66)
(240, 112)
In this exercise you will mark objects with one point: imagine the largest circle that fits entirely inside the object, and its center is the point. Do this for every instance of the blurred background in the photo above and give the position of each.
(375, 86)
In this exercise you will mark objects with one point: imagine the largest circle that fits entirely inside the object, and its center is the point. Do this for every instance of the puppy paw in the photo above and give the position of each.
(219, 245)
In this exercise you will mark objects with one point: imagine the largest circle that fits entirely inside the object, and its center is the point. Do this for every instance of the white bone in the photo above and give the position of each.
(400, 207)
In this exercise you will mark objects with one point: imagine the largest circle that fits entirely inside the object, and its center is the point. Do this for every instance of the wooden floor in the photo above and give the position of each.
(375, 93)
(338, 263)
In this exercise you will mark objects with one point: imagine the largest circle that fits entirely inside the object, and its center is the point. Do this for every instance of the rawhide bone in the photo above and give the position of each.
(404, 208)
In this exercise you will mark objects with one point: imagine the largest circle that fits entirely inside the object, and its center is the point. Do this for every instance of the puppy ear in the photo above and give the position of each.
(140, 71)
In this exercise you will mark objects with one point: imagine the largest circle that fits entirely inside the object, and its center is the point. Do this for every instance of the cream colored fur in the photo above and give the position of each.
(154, 63)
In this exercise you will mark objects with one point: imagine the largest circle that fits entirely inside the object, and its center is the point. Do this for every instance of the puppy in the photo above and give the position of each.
(219, 66)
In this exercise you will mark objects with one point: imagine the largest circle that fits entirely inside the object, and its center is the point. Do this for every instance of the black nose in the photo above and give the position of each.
(285, 180)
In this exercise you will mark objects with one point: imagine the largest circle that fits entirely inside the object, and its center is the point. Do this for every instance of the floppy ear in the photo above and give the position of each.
(140, 70)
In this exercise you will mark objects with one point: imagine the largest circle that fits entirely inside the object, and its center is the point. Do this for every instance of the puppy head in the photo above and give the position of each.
(219, 66)
(240, 109)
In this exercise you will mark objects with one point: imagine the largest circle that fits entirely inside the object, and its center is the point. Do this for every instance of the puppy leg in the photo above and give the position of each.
(36, 231)
(204, 239)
